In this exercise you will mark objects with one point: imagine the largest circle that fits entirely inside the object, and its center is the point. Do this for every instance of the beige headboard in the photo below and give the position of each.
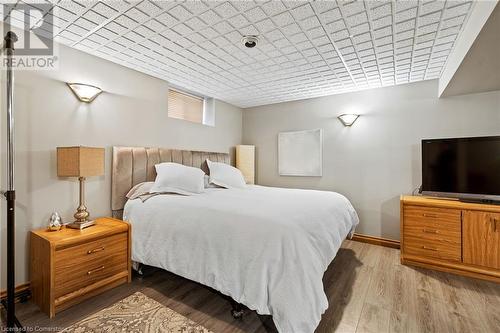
(134, 165)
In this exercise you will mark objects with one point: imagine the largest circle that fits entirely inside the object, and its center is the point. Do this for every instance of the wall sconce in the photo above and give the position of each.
(348, 119)
(84, 92)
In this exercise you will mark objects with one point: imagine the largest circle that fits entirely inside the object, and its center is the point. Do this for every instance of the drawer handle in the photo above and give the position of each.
(92, 271)
(99, 249)
(430, 215)
(431, 231)
(493, 224)
(429, 248)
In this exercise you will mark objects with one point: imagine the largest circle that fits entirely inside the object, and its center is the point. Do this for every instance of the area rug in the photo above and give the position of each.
(136, 314)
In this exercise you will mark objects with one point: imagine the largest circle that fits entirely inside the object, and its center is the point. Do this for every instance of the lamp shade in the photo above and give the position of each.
(245, 162)
(80, 161)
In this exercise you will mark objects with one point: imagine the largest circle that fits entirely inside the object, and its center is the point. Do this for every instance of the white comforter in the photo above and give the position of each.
(267, 248)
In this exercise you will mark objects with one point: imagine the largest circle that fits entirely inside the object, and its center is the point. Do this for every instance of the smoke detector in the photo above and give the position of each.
(250, 41)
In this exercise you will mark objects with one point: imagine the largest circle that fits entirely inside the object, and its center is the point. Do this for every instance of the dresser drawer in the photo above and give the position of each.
(448, 232)
(440, 219)
(432, 248)
(81, 265)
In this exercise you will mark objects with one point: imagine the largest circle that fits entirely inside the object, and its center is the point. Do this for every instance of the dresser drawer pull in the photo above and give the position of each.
(92, 271)
(430, 215)
(429, 248)
(99, 249)
(431, 231)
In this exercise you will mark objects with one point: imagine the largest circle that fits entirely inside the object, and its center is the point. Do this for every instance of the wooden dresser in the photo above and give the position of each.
(451, 236)
(70, 265)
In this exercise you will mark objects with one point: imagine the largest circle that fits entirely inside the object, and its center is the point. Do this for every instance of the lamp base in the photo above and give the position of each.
(80, 225)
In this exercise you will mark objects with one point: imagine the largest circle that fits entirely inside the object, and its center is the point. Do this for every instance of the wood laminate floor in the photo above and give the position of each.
(367, 288)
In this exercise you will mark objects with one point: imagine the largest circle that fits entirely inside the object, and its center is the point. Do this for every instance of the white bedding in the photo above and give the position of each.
(267, 248)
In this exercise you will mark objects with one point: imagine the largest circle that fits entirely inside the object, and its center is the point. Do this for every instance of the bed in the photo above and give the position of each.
(264, 247)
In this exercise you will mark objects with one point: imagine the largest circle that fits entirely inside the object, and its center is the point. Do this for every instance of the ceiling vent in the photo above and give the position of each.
(250, 41)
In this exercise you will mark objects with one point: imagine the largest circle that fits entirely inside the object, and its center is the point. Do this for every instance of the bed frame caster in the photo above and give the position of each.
(237, 310)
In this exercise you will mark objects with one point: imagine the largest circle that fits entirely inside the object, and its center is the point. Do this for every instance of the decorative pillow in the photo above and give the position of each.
(225, 175)
(178, 178)
(139, 189)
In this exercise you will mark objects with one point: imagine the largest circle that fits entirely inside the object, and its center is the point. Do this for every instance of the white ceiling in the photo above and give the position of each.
(306, 49)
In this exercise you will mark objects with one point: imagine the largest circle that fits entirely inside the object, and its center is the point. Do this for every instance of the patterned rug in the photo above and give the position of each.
(136, 314)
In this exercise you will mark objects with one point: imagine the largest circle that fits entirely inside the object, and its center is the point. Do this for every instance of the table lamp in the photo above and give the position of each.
(80, 162)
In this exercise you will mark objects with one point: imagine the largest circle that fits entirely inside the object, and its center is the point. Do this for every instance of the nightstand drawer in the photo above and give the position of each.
(91, 251)
(79, 266)
(89, 273)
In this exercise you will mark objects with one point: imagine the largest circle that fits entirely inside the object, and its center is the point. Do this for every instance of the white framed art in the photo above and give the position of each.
(300, 153)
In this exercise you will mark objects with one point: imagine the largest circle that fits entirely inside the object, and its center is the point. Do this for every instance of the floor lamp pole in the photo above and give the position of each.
(10, 194)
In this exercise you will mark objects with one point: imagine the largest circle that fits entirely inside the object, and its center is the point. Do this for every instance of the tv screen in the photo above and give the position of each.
(462, 167)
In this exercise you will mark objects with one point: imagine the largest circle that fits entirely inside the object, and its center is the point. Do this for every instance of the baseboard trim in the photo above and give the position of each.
(19, 289)
(376, 240)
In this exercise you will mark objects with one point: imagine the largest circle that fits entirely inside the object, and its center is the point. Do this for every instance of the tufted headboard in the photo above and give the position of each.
(134, 165)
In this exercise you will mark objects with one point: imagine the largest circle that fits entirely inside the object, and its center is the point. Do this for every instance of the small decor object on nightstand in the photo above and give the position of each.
(55, 222)
(80, 162)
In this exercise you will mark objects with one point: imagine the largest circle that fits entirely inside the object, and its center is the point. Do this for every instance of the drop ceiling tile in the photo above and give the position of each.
(454, 21)
(404, 35)
(323, 6)
(180, 13)
(210, 17)
(137, 15)
(255, 14)
(311, 23)
(125, 21)
(302, 12)
(382, 22)
(352, 8)
(429, 18)
(331, 16)
(357, 19)
(226, 9)
(94, 17)
(238, 21)
(265, 25)
(431, 7)
(144, 31)
(108, 34)
(381, 11)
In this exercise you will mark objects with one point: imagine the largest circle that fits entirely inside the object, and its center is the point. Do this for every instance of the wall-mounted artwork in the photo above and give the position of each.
(301, 153)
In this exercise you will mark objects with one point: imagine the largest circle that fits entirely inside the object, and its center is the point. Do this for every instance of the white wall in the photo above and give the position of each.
(131, 111)
(377, 159)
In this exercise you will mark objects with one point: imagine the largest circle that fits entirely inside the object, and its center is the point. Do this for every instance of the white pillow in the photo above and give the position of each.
(177, 178)
(224, 175)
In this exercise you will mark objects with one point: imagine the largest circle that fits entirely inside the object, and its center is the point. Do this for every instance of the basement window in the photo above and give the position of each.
(186, 106)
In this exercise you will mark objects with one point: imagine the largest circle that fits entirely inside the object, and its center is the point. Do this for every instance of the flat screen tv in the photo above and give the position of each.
(465, 168)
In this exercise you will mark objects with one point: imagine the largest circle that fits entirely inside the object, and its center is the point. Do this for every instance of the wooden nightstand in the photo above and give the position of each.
(69, 266)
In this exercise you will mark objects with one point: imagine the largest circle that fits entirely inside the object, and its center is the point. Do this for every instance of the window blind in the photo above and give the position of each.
(185, 106)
